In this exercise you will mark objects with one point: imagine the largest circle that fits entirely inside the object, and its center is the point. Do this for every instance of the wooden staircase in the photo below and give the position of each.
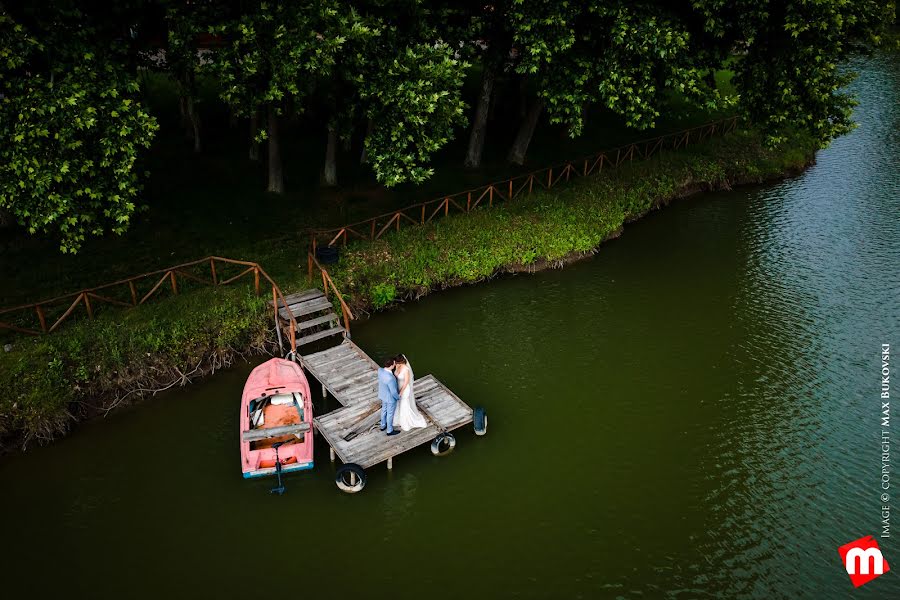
(314, 314)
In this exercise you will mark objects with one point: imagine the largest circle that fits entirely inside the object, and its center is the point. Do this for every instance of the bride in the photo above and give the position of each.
(407, 415)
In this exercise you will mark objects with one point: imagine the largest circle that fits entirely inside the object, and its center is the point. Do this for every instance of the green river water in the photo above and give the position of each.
(692, 413)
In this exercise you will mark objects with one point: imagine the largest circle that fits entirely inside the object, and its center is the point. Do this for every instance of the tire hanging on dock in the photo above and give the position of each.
(479, 420)
(443, 444)
(350, 478)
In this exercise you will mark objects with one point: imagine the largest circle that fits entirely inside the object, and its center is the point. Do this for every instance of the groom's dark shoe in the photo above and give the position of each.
(382, 428)
(394, 433)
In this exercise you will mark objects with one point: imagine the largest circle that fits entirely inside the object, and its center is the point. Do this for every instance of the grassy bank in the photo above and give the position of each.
(93, 366)
(553, 226)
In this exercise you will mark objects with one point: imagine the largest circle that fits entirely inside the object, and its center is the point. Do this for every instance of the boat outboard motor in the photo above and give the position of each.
(280, 489)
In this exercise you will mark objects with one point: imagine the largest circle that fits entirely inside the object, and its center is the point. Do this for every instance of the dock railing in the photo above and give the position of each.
(508, 189)
(129, 289)
(327, 282)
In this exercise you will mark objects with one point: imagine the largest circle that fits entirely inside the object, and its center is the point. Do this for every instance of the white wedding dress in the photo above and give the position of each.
(407, 416)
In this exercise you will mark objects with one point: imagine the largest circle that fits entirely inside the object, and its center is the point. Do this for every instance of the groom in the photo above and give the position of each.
(388, 394)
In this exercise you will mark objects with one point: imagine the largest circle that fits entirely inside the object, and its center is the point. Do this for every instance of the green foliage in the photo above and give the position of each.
(276, 52)
(42, 377)
(623, 56)
(415, 100)
(72, 128)
(788, 75)
(551, 225)
(382, 294)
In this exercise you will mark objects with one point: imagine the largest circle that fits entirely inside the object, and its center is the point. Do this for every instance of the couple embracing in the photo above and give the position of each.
(395, 390)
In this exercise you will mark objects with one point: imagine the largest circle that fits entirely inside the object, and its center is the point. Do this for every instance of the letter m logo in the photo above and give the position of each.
(863, 560)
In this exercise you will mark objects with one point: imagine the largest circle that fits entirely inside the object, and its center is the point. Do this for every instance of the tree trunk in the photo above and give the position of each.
(364, 157)
(329, 173)
(191, 109)
(520, 146)
(182, 111)
(479, 125)
(711, 79)
(276, 174)
(7, 219)
(523, 96)
(254, 129)
(194, 122)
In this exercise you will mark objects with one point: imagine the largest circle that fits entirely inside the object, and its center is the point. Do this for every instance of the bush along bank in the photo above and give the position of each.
(92, 367)
(552, 227)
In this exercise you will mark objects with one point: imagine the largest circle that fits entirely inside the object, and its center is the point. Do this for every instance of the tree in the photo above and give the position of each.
(520, 37)
(184, 23)
(787, 60)
(273, 53)
(400, 81)
(72, 129)
(415, 102)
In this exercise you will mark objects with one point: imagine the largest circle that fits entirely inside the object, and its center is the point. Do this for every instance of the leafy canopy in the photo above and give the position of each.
(72, 130)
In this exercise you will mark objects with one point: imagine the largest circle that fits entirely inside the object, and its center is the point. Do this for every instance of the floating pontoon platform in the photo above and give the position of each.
(351, 376)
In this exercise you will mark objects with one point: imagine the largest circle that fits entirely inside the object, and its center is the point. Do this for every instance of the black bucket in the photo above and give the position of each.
(327, 255)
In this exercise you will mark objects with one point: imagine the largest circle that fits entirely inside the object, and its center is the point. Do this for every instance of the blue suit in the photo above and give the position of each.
(389, 395)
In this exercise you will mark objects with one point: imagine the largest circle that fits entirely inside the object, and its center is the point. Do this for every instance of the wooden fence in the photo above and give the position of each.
(49, 315)
(326, 284)
(514, 187)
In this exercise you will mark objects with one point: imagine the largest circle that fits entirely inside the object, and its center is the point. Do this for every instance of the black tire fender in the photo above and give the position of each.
(344, 478)
(443, 444)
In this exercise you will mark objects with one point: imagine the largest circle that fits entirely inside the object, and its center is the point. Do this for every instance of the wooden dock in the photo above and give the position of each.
(352, 431)
(314, 315)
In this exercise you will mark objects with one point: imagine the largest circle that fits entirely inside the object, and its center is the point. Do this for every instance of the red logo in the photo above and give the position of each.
(863, 560)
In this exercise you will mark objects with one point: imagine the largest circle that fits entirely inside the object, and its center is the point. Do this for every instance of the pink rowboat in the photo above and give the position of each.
(276, 409)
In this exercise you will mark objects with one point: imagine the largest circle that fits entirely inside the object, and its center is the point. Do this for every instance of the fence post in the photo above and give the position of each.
(256, 279)
(87, 305)
(174, 282)
(309, 259)
(468, 203)
(491, 196)
(133, 292)
(212, 267)
(41, 317)
(510, 190)
(550, 178)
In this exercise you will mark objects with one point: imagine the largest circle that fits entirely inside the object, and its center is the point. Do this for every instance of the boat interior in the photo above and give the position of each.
(278, 410)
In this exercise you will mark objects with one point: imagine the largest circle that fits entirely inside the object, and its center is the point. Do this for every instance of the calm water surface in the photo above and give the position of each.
(693, 413)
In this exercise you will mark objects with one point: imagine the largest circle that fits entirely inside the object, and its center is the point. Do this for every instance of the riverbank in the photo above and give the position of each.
(552, 228)
(93, 367)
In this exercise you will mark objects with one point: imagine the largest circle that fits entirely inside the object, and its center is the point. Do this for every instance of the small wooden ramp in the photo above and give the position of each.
(313, 313)
(351, 376)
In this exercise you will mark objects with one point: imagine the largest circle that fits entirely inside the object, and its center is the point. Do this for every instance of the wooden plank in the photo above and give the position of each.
(321, 354)
(304, 295)
(310, 307)
(255, 435)
(317, 321)
(305, 309)
(323, 369)
(339, 352)
(308, 339)
(301, 304)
